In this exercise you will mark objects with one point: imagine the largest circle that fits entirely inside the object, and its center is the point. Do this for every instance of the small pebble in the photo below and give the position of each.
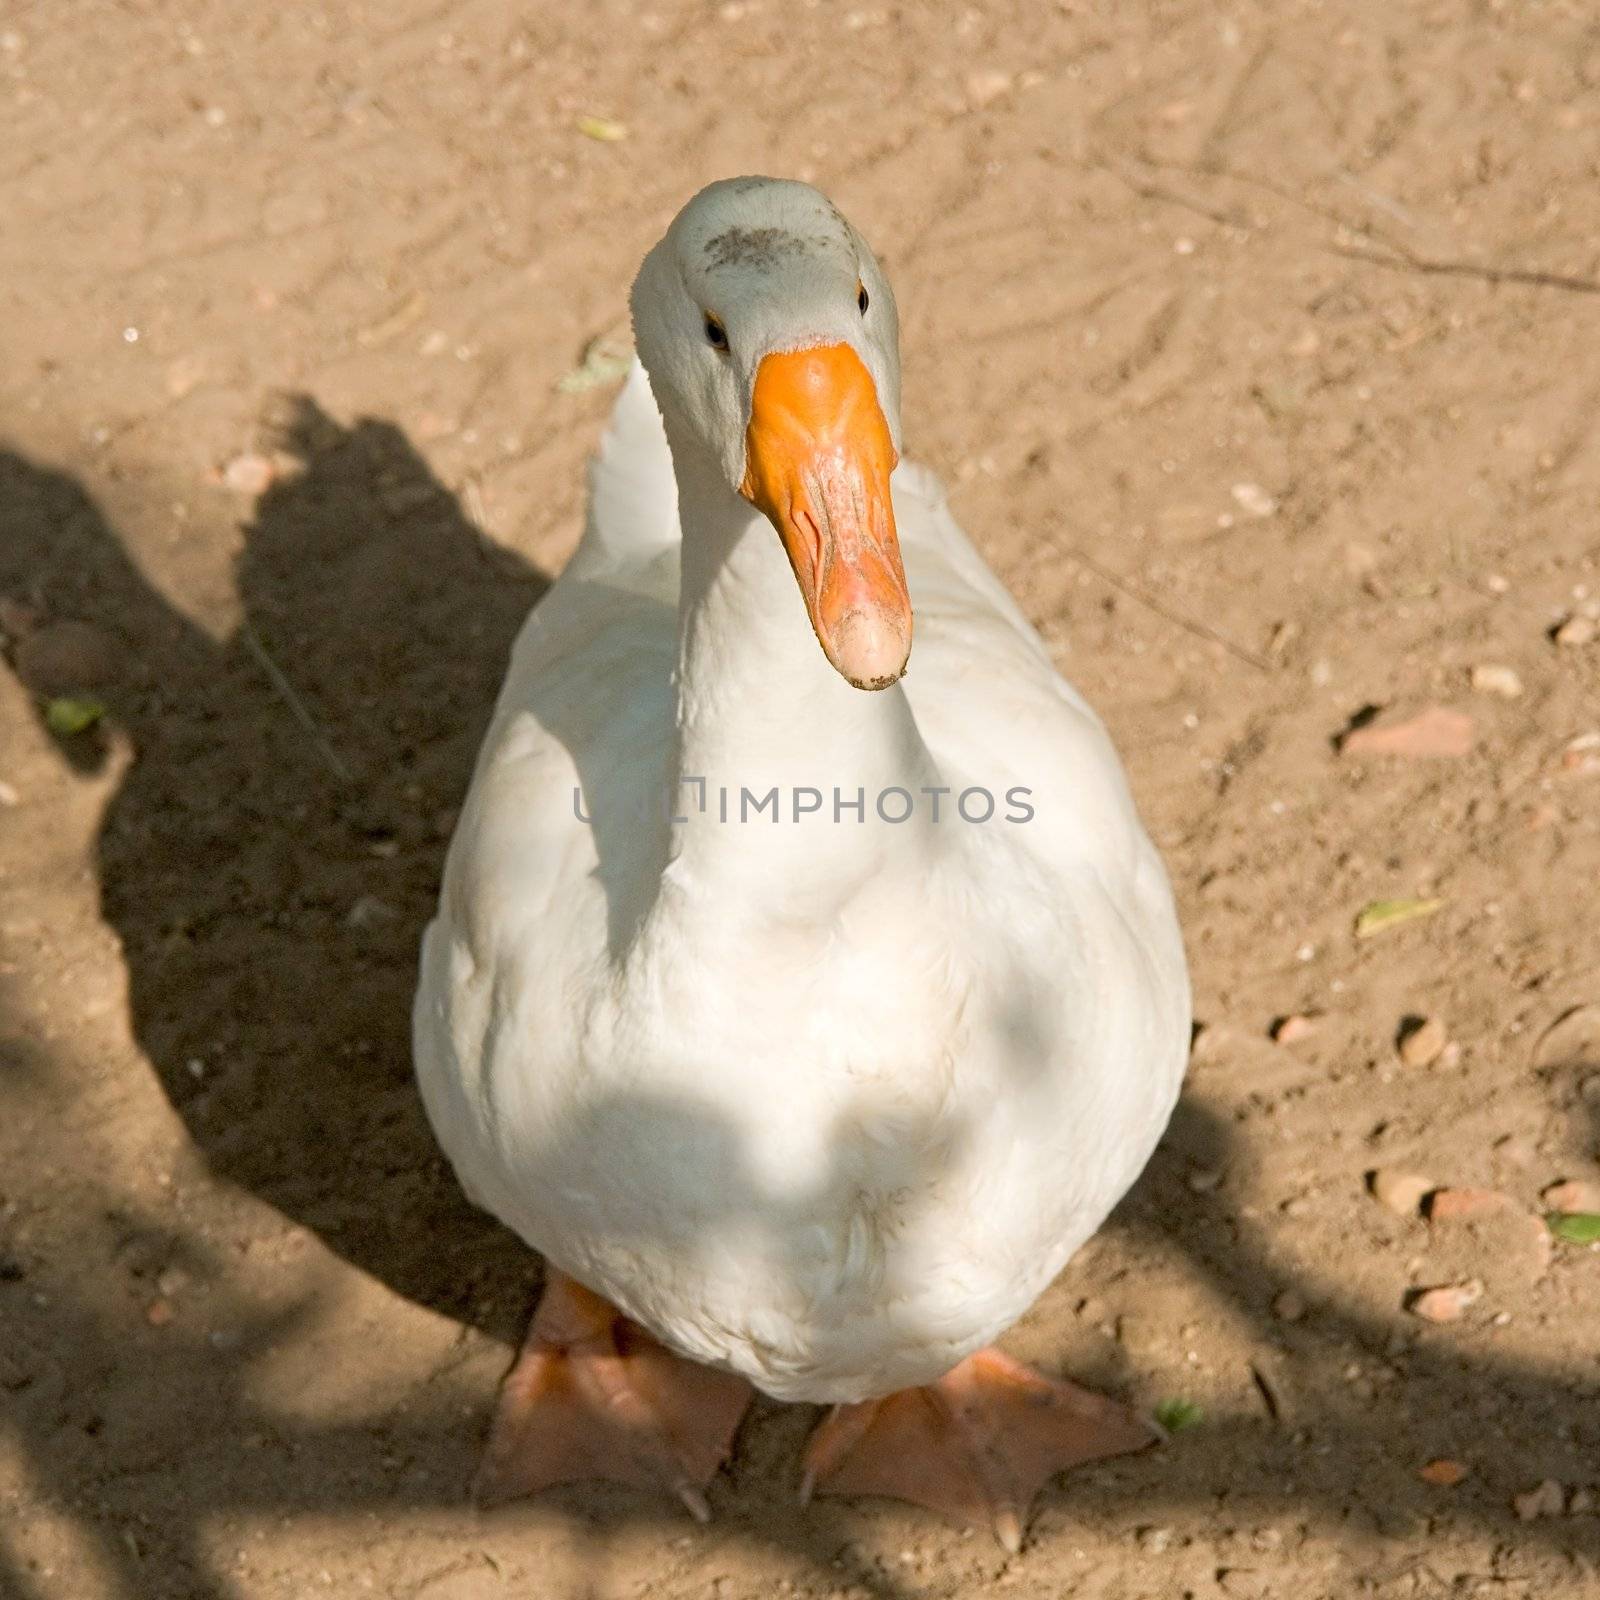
(1423, 1043)
(1581, 757)
(1494, 679)
(1155, 1540)
(1443, 1473)
(1575, 1194)
(1581, 1503)
(1253, 498)
(1289, 1307)
(1202, 1180)
(1293, 1028)
(249, 474)
(1400, 1192)
(986, 86)
(1576, 631)
(1514, 1150)
(1446, 1303)
(1463, 1205)
(369, 912)
(1547, 1499)
(1434, 732)
(158, 1313)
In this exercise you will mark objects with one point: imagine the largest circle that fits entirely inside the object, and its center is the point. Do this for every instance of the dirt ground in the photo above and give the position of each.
(1257, 344)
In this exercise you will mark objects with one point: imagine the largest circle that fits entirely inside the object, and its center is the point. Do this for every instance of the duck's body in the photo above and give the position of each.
(825, 1102)
(819, 1098)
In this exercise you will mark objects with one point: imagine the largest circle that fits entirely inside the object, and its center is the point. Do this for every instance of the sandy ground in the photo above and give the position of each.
(1257, 345)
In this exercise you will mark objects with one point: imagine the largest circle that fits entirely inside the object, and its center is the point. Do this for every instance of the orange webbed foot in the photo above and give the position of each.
(592, 1395)
(978, 1445)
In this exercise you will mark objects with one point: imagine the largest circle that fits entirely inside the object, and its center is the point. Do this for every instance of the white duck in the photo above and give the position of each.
(794, 1094)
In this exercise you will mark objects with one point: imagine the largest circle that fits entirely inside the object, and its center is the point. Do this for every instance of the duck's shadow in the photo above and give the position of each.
(269, 893)
(269, 882)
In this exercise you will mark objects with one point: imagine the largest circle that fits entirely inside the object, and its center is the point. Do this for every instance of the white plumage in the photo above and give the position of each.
(823, 1101)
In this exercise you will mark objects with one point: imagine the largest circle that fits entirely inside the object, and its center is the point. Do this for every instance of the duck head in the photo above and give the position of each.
(770, 337)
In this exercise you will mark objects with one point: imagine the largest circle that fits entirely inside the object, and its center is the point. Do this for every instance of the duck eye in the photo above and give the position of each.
(861, 296)
(716, 334)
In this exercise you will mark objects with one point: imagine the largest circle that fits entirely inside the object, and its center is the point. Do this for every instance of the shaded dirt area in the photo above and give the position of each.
(1257, 346)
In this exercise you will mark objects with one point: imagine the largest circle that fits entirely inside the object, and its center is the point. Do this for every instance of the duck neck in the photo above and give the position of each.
(779, 760)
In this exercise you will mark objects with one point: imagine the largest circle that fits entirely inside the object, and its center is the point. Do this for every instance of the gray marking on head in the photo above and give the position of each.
(760, 248)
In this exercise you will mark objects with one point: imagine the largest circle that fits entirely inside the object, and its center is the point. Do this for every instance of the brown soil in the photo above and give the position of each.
(1271, 324)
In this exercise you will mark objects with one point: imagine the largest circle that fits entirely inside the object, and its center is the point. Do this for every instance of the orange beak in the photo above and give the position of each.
(817, 461)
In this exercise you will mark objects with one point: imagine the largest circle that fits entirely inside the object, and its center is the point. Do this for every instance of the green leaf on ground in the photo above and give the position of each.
(1381, 915)
(605, 361)
(69, 714)
(1176, 1415)
(1576, 1227)
(603, 129)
